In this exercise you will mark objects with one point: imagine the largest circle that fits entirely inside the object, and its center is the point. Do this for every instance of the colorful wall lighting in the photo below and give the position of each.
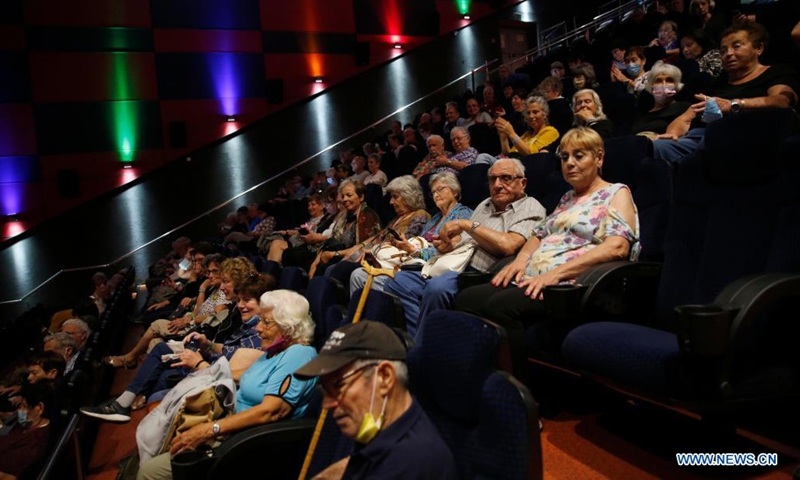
(124, 116)
(317, 79)
(463, 8)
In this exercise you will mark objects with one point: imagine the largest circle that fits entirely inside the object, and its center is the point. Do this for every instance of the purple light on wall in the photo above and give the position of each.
(15, 172)
(11, 195)
(225, 74)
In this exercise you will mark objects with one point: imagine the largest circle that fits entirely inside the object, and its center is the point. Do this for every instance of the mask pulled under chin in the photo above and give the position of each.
(276, 347)
(370, 426)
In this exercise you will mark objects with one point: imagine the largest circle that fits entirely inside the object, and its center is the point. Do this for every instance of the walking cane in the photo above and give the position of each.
(372, 272)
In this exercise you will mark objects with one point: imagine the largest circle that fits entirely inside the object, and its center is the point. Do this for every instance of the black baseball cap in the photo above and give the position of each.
(362, 340)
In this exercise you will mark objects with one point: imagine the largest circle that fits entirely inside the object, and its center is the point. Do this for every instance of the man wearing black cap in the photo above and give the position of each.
(364, 379)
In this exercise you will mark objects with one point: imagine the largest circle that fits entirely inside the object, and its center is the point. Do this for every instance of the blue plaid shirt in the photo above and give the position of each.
(245, 337)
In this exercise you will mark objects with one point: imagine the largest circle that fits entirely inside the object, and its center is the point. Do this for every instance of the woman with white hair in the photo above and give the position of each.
(539, 136)
(465, 154)
(663, 83)
(588, 111)
(268, 390)
(409, 204)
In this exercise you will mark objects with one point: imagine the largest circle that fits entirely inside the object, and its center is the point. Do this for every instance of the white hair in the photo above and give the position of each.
(290, 312)
(518, 166)
(462, 130)
(77, 322)
(661, 68)
(400, 369)
(449, 179)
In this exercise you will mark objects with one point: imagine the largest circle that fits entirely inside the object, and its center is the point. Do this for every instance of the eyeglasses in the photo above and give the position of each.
(459, 138)
(504, 179)
(439, 190)
(337, 388)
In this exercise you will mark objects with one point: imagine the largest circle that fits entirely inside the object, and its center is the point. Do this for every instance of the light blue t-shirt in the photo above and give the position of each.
(266, 375)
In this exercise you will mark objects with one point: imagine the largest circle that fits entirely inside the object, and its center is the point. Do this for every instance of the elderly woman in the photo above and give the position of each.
(268, 390)
(588, 110)
(376, 175)
(446, 192)
(436, 157)
(583, 76)
(360, 171)
(667, 38)
(663, 83)
(465, 154)
(475, 115)
(211, 300)
(749, 85)
(539, 136)
(634, 75)
(304, 252)
(595, 222)
(409, 204)
(316, 222)
(26, 445)
(237, 332)
(705, 18)
(356, 224)
(696, 46)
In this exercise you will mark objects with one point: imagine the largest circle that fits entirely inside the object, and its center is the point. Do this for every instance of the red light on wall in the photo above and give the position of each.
(12, 229)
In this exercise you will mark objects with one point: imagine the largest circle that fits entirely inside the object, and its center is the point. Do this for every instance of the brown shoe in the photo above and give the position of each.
(138, 403)
(118, 361)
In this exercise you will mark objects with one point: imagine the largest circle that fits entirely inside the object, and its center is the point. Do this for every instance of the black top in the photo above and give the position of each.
(658, 121)
(757, 87)
(561, 116)
(411, 447)
(604, 127)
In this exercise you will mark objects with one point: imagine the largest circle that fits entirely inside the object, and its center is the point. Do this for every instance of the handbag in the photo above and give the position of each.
(201, 407)
(392, 257)
(455, 261)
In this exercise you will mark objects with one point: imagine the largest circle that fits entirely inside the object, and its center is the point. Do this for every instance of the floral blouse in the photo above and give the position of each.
(578, 225)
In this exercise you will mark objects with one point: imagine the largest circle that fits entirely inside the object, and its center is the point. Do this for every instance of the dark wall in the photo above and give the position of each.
(88, 86)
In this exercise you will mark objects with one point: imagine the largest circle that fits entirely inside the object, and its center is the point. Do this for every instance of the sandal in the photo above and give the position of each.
(138, 403)
(118, 361)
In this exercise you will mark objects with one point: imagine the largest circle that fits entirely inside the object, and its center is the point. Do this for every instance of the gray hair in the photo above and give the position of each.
(518, 166)
(462, 130)
(449, 179)
(438, 138)
(368, 148)
(290, 312)
(400, 369)
(77, 322)
(661, 68)
(541, 102)
(409, 190)
(62, 339)
(599, 115)
(451, 104)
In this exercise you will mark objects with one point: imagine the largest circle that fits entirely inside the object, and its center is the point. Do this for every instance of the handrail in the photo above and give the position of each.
(63, 440)
(258, 185)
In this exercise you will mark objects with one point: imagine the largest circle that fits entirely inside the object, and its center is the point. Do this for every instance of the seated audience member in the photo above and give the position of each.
(489, 99)
(412, 140)
(557, 70)
(583, 76)
(704, 17)
(678, 13)
(453, 117)
(464, 156)
(436, 156)
(634, 74)
(26, 445)
(64, 345)
(539, 136)
(364, 376)
(376, 175)
(475, 114)
(748, 85)
(302, 254)
(168, 264)
(341, 172)
(360, 171)
(238, 332)
(317, 223)
(560, 116)
(588, 111)
(268, 390)
(263, 224)
(79, 331)
(319, 183)
(618, 57)
(595, 222)
(211, 300)
(446, 193)
(667, 38)
(499, 227)
(357, 223)
(424, 129)
(697, 47)
(437, 120)
(515, 115)
(99, 280)
(409, 205)
(45, 366)
(663, 83)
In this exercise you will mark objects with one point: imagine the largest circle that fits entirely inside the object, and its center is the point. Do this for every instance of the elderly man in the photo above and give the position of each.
(453, 117)
(365, 386)
(64, 345)
(79, 331)
(499, 227)
(465, 154)
(436, 156)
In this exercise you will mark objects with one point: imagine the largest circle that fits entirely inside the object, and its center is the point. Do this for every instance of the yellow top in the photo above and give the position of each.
(545, 137)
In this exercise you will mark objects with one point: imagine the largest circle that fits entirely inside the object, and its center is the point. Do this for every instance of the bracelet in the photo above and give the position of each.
(198, 364)
(527, 255)
(191, 315)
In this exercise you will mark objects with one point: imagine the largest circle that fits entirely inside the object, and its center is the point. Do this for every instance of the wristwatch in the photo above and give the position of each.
(474, 226)
(215, 429)
(736, 105)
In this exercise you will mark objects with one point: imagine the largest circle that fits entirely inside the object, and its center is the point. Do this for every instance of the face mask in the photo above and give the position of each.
(369, 426)
(276, 347)
(579, 84)
(22, 417)
(662, 93)
(634, 68)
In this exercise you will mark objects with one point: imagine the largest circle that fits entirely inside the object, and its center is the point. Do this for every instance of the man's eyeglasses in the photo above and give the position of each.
(504, 179)
(336, 389)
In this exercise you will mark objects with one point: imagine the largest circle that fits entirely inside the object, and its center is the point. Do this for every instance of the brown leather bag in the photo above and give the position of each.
(199, 408)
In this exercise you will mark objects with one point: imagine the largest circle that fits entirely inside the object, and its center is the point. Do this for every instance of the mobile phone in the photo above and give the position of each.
(371, 260)
(394, 233)
(303, 231)
(193, 345)
(185, 264)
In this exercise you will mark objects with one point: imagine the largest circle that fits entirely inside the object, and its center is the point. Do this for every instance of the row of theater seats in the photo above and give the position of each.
(87, 383)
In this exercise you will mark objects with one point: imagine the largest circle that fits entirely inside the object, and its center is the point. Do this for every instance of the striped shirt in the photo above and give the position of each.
(518, 217)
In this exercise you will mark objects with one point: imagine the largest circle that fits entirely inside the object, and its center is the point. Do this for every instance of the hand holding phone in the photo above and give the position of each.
(394, 233)
(303, 231)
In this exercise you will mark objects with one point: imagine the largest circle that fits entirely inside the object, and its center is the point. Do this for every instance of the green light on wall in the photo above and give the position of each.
(124, 119)
(463, 6)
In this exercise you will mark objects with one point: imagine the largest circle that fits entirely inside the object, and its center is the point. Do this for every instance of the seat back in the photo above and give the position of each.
(380, 307)
(538, 168)
(484, 139)
(322, 293)
(474, 184)
(487, 418)
(424, 182)
(373, 196)
(294, 278)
